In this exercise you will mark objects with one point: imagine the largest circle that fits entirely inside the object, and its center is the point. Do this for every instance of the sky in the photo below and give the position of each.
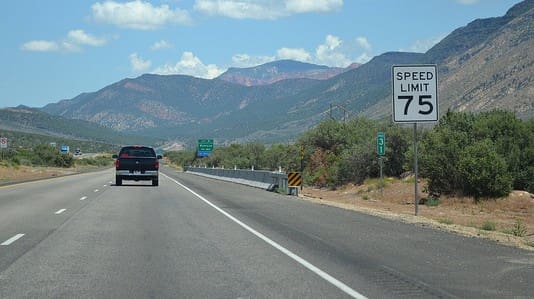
(57, 49)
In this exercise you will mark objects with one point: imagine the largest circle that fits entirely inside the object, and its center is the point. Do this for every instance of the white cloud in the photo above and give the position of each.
(467, 2)
(81, 38)
(191, 65)
(162, 44)
(302, 6)
(294, 54)
(138, 14)
(330, 53)
(73, 42)
(245, 60)
(363, 58)
(363, 43)
(264, 9)
(421, 46)
(242, 9)
(40, 46)
(138, 64)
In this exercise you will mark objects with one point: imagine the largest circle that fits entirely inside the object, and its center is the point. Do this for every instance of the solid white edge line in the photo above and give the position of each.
(60, 211)
(340, 285)
(12, 239)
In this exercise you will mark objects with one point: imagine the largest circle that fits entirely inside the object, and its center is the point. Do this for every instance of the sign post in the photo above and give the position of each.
(415, 100)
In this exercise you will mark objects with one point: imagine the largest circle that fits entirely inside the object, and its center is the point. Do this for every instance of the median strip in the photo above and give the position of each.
(12, 239)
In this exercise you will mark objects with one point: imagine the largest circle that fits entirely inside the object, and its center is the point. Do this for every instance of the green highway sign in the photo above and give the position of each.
(381, 143)
(205, 146)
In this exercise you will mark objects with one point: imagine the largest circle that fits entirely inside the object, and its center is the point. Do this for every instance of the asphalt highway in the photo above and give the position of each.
(81, 236)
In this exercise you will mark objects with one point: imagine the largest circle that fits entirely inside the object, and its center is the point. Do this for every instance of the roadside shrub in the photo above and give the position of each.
(357, 164)
(519, 229)
(483, 171)
(446, 221)
(398, 143)
(489, 225)
(439, 152)
(495, 150)
(513, 140)
(46, 155)
(322, 168)
(99, 161)
(432, 202)
(62, 160)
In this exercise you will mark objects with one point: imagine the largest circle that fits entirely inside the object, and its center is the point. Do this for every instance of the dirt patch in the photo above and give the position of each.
(24, 173)
(501, 220)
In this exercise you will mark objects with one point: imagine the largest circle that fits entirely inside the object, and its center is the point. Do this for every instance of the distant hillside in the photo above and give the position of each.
(485, 65)
(30, 120)
(498, 72)
(281, 70)
(155, 101)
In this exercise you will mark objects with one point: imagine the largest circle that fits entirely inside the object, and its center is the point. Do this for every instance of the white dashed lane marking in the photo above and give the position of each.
(60, 211)
(12, 239)
(83, 198)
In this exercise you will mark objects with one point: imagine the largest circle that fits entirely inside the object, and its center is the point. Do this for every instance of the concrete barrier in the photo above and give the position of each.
(268, 180)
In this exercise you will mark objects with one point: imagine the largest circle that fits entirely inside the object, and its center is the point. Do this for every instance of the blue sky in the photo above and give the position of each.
(57, 49)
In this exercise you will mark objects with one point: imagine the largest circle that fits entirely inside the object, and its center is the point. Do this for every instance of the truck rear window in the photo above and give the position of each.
(137, 152)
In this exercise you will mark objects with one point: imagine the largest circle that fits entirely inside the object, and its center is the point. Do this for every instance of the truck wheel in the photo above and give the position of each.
(155, 182)
(118, 181)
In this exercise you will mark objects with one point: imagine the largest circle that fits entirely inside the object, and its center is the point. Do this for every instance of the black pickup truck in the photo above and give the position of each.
(137, 163)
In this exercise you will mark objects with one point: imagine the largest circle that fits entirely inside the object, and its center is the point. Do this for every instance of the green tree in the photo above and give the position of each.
(397, 145)
(438, 156)
(513, 141)
(483, 171)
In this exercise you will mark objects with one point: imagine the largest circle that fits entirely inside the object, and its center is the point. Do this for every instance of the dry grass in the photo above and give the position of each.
(21, 173)
(460, 214)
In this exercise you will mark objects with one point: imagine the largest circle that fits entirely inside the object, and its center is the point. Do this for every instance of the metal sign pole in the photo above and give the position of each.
(302, 166)
(381, 176)
(415, 166)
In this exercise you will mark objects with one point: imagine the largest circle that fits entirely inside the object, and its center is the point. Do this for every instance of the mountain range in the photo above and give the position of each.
(484, 65)
(281, 70)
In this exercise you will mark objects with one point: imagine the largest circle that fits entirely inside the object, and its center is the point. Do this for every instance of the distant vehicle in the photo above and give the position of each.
(77, 152)
(137, 163)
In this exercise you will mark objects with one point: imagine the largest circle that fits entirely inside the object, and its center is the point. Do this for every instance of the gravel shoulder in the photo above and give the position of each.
(507, 220)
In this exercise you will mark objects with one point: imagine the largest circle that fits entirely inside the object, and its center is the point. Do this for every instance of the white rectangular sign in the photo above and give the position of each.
(415, 93)
(3, 142)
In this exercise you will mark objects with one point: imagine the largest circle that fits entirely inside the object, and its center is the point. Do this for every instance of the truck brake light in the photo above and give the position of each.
(156, 164)
(117, 164)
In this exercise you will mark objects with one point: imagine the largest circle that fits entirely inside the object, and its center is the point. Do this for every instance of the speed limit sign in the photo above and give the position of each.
(3, 142)
(415, 93)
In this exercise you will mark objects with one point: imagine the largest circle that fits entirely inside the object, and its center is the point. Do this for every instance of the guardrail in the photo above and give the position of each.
(267, 180)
